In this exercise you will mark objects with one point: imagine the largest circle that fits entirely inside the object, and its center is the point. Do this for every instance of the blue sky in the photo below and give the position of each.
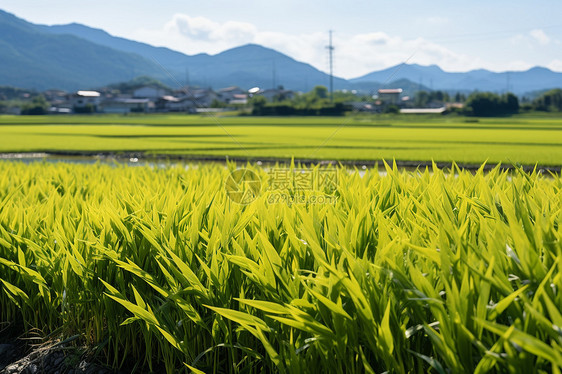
(368, 35)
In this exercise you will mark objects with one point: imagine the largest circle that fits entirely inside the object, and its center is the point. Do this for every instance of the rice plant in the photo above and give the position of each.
(158, 269)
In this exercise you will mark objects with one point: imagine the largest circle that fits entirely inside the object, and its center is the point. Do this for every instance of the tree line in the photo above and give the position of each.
(315, 102)
(486, 104)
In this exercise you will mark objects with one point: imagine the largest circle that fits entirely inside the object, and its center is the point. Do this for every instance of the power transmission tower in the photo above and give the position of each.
(330, 48)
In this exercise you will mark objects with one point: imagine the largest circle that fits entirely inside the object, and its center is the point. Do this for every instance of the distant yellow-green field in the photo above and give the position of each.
(520, 139)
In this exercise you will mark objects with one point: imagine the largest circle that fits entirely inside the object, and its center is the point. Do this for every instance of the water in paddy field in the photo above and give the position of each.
(360, 167)
(28, 158)
(85, 160)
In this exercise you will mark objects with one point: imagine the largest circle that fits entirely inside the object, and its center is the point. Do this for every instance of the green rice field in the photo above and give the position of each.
(523, 139)
(160, 270)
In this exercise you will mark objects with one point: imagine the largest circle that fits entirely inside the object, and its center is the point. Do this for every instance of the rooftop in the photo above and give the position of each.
(88, 93)
(231, 88)
(169, 98)
(390, 91)
(423, 110)
(124, 100)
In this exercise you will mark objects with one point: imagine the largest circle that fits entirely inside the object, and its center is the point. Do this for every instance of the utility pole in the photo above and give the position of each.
(330, 48)
(274, 75)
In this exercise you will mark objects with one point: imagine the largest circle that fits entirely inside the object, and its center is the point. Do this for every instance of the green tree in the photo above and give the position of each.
(421, 99)
(258, 104)
(488, 104)
(320, 92)
(510, 102)
(550, 101)
(37, 106)
(460, 98)
(86, 109)
(392, 109)
(216, 103)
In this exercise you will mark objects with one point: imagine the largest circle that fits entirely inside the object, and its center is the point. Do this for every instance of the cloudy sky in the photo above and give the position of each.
(368, 35)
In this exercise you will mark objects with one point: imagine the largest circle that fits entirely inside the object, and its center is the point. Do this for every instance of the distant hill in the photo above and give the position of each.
(75, 56)
(245, 66)
(253, 65)
(33, 59)
(176, 61)
(11, 93)
(519, 82)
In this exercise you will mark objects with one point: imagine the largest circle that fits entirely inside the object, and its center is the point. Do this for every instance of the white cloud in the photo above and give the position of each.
(534, 37)
(355, 54)
(515, 66)
(199, 34)
(519, 39)
(540, 36)
(201, 28)
(555, 65)
(437, 20)
(367, 52)
(375, 38)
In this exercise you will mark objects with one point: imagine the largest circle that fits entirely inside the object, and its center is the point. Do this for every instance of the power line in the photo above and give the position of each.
(484, 36)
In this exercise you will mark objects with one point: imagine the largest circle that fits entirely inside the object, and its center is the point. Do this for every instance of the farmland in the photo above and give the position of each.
(521, 139)
(424, 271)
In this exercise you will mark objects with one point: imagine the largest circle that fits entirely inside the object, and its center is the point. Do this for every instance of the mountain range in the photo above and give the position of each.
(76, 56)
(519, 82)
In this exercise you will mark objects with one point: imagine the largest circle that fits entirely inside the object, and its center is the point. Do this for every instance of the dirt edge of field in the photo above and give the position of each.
(141, 156)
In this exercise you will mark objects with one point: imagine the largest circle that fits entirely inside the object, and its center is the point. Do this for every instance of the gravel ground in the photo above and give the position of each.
(48, 359)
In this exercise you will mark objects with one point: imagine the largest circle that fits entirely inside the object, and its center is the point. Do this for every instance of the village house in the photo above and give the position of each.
(361, 106)
(423, 110)
(149, 92)
(55, 96)
(239, 99)
(389, 96)
(200, 97)
(85, 100)
(127, 105)
(276, 94)
(226, 95)
(170, 103)
(59, 101)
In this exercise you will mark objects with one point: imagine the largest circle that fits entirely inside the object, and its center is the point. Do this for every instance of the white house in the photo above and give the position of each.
(239, 99)
(390, 96)
(149, 92)
(82, 99)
